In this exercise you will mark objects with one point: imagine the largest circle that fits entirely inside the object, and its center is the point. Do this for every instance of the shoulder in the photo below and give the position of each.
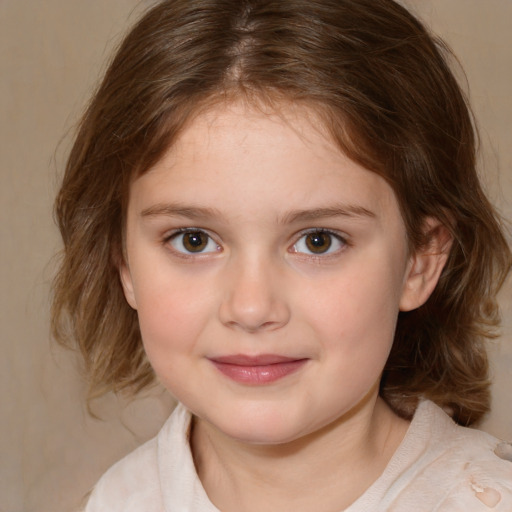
(129, 483)
(134, 483)
(462, 468)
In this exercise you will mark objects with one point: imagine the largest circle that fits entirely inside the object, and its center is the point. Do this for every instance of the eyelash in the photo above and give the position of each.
(175, 236)
(334, 237)
(320, 232)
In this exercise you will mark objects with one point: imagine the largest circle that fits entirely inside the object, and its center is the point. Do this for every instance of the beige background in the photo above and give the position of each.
(51, 54)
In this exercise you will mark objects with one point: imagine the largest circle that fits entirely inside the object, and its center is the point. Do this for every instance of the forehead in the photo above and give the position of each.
(241, 156)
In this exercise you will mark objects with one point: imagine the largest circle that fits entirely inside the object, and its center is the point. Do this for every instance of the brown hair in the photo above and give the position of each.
(382, 86)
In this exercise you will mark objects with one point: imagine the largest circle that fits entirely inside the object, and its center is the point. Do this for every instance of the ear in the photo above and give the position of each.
(426, 265)
(127, 284)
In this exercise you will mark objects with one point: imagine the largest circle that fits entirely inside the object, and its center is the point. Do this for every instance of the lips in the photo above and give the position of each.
(257, 370)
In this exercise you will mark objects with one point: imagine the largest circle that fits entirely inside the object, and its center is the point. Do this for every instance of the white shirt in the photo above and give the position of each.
(438, 467)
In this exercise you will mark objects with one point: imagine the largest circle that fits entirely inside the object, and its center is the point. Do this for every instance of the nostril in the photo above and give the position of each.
(256, 327)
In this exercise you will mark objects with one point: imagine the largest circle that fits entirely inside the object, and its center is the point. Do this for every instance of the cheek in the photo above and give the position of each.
(171, 319)
(357, 313)
(170, 327)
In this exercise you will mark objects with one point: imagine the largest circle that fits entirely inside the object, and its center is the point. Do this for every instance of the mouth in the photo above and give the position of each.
(257, 370)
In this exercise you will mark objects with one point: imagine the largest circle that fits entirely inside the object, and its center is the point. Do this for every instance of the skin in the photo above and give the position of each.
(256, 185)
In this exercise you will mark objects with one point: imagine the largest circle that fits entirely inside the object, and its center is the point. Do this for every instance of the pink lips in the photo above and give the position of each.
(257, 370)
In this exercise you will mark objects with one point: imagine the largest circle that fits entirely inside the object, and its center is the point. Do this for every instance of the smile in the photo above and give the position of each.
(257, 370)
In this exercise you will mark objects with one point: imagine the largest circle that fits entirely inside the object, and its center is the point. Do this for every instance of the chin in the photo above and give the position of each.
(265, 426)
(264, 435)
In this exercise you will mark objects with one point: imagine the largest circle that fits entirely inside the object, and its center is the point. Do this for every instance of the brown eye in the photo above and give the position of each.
(195, 242)
(318, 243)
(190, 242)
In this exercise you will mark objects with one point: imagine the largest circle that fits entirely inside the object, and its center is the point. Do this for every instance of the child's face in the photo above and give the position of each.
(267, 270)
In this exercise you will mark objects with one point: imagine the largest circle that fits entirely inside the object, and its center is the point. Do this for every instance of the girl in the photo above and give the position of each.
(272, 208)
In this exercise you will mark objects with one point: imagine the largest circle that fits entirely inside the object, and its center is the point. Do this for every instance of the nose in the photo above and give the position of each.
(254, 297)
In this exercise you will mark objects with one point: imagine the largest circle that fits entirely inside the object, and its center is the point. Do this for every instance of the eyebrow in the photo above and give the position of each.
(197, 212)
(177, 210)
(321, 213)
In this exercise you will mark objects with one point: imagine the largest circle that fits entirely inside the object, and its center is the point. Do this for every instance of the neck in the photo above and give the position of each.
(339, 462)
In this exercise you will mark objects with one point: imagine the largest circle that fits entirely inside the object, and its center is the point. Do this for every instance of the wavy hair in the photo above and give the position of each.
(380, 83)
